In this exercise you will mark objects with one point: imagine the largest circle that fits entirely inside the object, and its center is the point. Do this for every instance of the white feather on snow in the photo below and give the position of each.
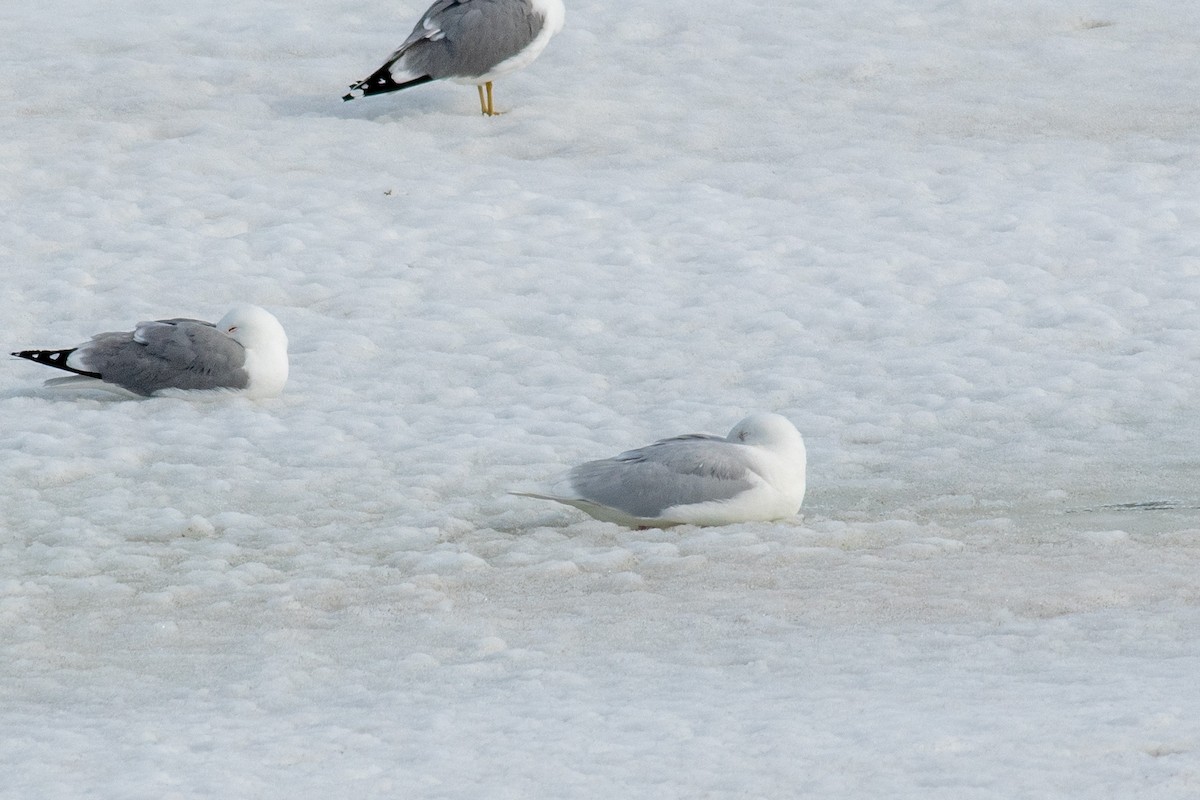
(956, 244)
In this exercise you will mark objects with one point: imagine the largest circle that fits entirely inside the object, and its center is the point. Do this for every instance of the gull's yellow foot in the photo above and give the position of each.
(486, 106)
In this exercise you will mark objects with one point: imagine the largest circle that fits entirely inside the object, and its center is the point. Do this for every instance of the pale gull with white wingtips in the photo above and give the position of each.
(756, 473)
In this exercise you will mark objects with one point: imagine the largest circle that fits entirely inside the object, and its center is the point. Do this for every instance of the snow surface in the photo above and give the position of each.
(957, 243)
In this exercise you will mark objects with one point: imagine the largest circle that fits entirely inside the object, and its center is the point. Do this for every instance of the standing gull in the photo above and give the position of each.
(469, 42)
(756, 473)
(244, 353)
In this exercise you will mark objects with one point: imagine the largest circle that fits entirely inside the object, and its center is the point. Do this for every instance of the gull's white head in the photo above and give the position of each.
(782, 459)
(770, 431)
(257, 330)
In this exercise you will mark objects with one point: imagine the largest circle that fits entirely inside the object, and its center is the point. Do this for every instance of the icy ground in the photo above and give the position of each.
(957, 243)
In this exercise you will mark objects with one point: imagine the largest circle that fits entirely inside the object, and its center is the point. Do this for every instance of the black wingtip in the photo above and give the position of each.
(380, 83)
(56, 359)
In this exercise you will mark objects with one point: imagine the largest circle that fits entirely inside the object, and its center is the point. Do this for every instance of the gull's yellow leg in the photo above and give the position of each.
(485, 105)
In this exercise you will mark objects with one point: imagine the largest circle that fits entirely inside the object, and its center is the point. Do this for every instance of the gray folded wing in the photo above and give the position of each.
(168, 354)
(466, 38)
(672, 472)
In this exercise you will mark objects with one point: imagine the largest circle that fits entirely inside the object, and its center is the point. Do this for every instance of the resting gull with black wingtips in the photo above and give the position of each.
(756, 473)
(469, 42)
(245, 353)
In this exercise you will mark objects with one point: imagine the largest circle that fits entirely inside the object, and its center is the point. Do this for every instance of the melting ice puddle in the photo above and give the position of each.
(1145, 517)
(1145, 505)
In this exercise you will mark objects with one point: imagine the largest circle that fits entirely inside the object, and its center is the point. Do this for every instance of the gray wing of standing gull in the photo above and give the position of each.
(167, 354)
(475, 36)
(680, 471)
